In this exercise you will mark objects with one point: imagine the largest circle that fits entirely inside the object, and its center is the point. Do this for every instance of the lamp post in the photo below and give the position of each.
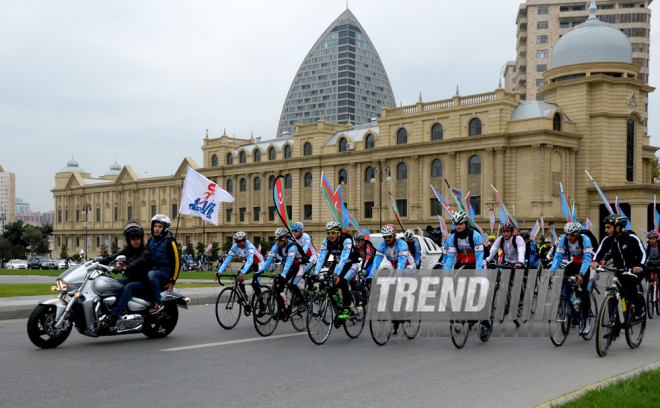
(87, 208)
(380, 170)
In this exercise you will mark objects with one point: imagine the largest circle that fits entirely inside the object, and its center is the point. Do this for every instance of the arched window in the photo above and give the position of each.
(436, 132)
(436, 168)
(308, 179)
(271, 153)
(257, 155)
(402, 171)
(308, 149)
(257, 184)
(230, 158)
(287, 152)
(214, 161)
(288, 181)
(343, 176)
(475, 127)
(230, 186)
(402, 136)
(370, 173)
(271, 182)
(243, 186)
(630, 149)
(475, 165)
(342, 144)
(242, 157)
(371, 142)
(556, 122)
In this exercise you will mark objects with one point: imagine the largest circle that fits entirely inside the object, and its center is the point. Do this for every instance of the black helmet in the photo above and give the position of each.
(133, 229)
(616, 219)
(524, 234)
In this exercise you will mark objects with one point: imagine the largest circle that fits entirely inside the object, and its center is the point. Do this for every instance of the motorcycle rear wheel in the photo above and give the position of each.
(40, 330)
(162, 324)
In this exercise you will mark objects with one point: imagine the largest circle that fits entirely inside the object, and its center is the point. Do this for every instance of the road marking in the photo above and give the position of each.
(224, 343)
(13, 320)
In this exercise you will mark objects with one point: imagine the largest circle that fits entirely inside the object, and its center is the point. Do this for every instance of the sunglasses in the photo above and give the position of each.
(572, 235)
(388, 236)
(282, 239)
(334, 232)
(239, 241)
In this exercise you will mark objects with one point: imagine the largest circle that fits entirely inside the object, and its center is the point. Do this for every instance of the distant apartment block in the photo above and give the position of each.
(7, 197)
(37, 218)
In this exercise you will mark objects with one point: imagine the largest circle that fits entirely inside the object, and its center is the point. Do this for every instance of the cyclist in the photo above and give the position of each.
(627, 253)
(465, 247)
(489, 243)
(579, 249)
(513, 247)
(344, 265)
(367, 252)
(304, 242)
(544, 250)
(530, 249)
(413, 247)
(250, 255)
(285, 249)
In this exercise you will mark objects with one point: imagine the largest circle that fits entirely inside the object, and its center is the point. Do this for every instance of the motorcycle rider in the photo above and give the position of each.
(164, 259)
(136, 268)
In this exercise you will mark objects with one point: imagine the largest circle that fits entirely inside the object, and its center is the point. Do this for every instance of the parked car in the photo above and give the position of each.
(59, 263)
(431, 253)
(40, 262)
(16, 264)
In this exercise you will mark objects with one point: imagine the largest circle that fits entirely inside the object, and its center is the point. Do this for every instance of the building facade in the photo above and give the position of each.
(7, 197)
(38, 219)
(341, 79)
(22, 206)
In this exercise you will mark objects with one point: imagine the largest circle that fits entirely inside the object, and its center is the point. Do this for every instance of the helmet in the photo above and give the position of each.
(459, 217)
(133, 229)
(297, 226)
(492, 238)
(281, 233)
(409, 235)
(616, 219)
(240, 236)
(388, 230)
(359, 238)
(509, 227)
(652, 234)
(333, 226)
(524, 234)
(163, 219)
(548, 241)
(572, 228)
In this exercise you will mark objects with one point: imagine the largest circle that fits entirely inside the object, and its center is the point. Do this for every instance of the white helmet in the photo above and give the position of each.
(333, 226)
(240, 236)
(409, 235)
(572, 228)
(460, 217)
(387, 230)
(163, 219)
(281, 233)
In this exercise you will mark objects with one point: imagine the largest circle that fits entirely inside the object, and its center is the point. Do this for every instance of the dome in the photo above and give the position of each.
(72, 167)
(115, 169)
(592, 41)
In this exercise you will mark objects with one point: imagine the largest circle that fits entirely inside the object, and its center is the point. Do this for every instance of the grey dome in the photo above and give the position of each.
(72, 167)
(115, 170)
(592, 41)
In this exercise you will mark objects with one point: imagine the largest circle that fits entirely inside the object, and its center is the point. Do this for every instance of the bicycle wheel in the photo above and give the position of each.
(228, 314)
(411, 327)
(591, 319)
(560, 326)
(605, 325)
(497, 296)
(657, 303)
(354, 326)
(635, 330)
(650, 295)
(381, 330)
(320, 318)
(484, 334)
(299, 312)
(459, 333)
(266, 313)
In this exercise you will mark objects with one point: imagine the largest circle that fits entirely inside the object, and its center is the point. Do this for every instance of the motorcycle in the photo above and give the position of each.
(87, 295)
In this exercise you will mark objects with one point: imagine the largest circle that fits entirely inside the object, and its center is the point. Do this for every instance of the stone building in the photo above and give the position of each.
(7, 198)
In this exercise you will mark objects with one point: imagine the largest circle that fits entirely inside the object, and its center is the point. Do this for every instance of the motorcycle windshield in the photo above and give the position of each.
(75, 274)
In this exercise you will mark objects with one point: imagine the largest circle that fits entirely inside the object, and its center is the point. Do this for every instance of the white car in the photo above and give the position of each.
(16, 264)
(60, 263)
(431, 252)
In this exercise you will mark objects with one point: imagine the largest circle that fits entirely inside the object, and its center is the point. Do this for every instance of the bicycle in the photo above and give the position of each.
(324, 310)
(567, 315)
(652, 294)
(617, 313)
(485, 334)
(382, 329)
(228, 314)
(272, 307)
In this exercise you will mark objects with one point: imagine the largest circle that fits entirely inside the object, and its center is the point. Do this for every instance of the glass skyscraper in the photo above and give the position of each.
(342, 79)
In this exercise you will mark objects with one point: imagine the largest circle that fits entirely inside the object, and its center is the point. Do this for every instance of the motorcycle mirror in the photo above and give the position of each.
(120, 258)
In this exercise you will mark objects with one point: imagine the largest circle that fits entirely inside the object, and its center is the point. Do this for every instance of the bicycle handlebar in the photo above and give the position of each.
(603, 268)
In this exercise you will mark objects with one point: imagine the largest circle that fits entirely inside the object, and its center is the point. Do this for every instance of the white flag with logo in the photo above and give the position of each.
(201, 197)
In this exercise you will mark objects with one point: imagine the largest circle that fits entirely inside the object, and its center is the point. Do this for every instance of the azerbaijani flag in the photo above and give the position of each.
(468, 204)
(367, 233)
(554, 234)
(280, 201)
(396, 210)
(443, 227)
(442, 200)
(419, 232)
(618, 210)
(492, 220)
(355, 223)
(535, 231)
(602, 196)
(589, 225)
(331, 199)
(505, 215)
(345, 217)
(656, 217)
(565, 205)
(457, 194)
(645, 234)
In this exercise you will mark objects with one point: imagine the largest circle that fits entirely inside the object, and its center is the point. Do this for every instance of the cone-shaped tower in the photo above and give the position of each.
(341, 80)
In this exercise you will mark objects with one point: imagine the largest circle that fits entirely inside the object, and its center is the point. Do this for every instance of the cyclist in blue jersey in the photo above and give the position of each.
(413, 247)
(465, 247)
(250, 255)
(309, 256)
(285, 249)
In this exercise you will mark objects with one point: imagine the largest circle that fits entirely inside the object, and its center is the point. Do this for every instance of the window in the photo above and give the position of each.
(271, 153)
(515, 69)
(116, 213)
(308, 149)
(287, 152)
(541, 68)
(368, 209)
(436, 168)
(542, 39)
(542, 54)
(98, 214)
(130, 213)
(563, 8)
(256, 211)
(229, 211)
(230, 186)
(564, 24)
(241, 212)
(342, 144)
(628, 5)
(542, 10)
(436, 132)
(153, 211)
(343, 176)
(369, 174)
(436, 209)
(214, 161)
(402, 136)
(289, 211)
(556, 122)
(475, 165)
(288, 181)
(271, 182)
(540, 83)
(230, 158)
(630, 149)
(576, 23)
(475, 202)
(257, 184)
(402, 205)
(257, 155)
(542, 25)
(578, 8)
(243, 184)
(78, 215)
(308, 211)
(174, 214)
(242, 157)
(77, 241)
(475, 127)
(271, 213)
(308, 179)
(371, 142)
(59, 215)
(402, 171)
(98, 242)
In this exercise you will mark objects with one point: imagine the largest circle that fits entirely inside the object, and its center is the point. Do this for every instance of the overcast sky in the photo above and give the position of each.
(143, 80)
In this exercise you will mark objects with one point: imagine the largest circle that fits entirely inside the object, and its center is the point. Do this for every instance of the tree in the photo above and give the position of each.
(63, 254)
(114, 248)
(189, 249)
(75, 257)
(655, 168)
(14, 233)
(215, 248)
(226, 246)
(9, 251)
(200, 248)
(47, 230)
(35, 239)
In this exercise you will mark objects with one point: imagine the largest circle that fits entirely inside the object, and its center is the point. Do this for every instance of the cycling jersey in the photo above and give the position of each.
(416, 252)
(512, 253)
(343, 252)
(367, 254)
(249, 254)
(305, 241)
(289, 251)
(460, 251)
(579, 252)
(398, 254)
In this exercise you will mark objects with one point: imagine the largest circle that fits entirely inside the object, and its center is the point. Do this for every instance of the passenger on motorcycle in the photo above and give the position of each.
(413, 247)
(164, 259)
(285, 249)
(250, 255)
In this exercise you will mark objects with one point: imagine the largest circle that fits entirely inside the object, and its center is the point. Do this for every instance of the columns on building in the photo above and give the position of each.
(571, 170)
(415, 203)
(499, 169)
(489, 172)
(353, 179)
(263, 198)
(454, 167)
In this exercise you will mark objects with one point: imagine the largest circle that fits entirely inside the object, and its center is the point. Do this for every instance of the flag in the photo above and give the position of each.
(554, 234)
(645, 234)
(655, 217)
(345, 217)
(589, 225)
(618, 210)
(331, 199)
(543, 225)
(515, 219)
(396, 210)
(602, 196)
(468, 205)
(444, 202)
(443, 227)
(355, 223)
(280, 202)
(456, 193)
(259, 248)
(574, 214)
(201, 197)
(505, 215)
(492, 221)
(208, 248)
(535, 231)
(367, 233)
(657, 221)
(419, 232)
(565, 205)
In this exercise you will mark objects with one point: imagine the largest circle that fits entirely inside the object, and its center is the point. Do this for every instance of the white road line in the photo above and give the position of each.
(224, 343)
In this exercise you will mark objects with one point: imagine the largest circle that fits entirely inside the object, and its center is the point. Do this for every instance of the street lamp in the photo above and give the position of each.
(380, 170)
(86, 208)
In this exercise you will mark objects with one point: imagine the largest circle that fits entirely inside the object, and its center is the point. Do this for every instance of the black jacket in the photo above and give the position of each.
(627, 250)
(138, 262)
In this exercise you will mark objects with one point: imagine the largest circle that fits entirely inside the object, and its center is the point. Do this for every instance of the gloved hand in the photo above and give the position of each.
(117, 269)
(485, 264)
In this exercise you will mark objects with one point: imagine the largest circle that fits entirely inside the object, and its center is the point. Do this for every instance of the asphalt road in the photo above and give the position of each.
(238, 368)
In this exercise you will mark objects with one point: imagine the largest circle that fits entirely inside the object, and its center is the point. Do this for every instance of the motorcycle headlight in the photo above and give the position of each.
(61, 285)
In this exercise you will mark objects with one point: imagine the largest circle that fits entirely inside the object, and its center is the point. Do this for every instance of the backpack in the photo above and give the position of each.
(592, 238)
(470, 237)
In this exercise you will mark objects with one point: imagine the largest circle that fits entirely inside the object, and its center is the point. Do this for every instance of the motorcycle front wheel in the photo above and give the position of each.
(162, 324)
(40, 328)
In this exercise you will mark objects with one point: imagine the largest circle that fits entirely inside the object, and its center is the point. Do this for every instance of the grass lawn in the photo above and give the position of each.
(40, 289)
(638, 391)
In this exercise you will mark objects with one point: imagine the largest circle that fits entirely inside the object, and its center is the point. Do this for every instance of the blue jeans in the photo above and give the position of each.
(158, 278)
(126, 295)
